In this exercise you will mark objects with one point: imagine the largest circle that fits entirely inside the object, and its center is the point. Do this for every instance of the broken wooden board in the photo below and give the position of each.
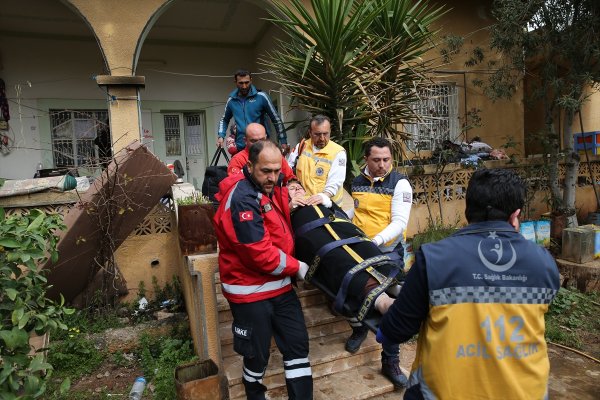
(117, 202)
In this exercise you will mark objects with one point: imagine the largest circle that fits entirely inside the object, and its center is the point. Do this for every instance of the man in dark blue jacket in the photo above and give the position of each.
(246, 105)
(477, 300)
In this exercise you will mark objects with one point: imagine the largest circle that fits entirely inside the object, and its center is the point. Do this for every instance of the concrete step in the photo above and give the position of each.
(319, 322)
(307, 297)
(327, 356)
(362, 382)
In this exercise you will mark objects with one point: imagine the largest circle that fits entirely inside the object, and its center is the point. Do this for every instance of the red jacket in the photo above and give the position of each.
(255, 240)
(239, 161)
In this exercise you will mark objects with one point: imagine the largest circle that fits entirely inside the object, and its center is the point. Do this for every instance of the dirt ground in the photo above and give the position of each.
(108, 381)
(572, 377)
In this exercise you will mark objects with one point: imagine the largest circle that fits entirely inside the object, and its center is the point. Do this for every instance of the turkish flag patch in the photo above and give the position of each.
(246, 216)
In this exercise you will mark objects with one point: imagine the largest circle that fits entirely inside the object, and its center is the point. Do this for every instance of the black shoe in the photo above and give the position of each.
(355, 340)
(390, 368)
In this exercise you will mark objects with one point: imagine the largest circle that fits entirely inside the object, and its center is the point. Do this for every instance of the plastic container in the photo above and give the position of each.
(138, 388)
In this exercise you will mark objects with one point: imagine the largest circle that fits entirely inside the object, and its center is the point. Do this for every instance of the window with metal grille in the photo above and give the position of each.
(437, 113)
(73, 134)
(172, 135)
(194, 133)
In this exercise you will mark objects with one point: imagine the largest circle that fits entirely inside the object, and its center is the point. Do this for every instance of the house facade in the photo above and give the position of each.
(159, 71)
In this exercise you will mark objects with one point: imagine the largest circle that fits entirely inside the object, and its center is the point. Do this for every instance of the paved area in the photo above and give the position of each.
(573, 376)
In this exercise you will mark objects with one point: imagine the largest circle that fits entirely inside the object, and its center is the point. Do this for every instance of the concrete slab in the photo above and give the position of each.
(586, 276)
(572, 376)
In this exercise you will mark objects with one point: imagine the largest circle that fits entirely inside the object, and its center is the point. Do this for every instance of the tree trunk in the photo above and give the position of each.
(571, 171)
(552, 148)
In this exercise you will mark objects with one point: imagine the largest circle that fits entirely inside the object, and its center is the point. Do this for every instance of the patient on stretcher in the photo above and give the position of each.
(342, 261)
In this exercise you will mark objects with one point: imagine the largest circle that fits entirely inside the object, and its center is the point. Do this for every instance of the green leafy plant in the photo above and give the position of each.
(572, 317)
(357, 62)
(159, 358)
(75, 356)
(436, 230)
(196, 198)
(25, 243)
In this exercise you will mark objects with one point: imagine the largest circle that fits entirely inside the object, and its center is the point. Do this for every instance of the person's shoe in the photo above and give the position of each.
(390, 368)
(356, 339)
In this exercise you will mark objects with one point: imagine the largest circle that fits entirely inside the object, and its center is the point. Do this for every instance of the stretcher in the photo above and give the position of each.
(343, 261)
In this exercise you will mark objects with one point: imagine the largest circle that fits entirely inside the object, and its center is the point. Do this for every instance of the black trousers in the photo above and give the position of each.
(254, 324)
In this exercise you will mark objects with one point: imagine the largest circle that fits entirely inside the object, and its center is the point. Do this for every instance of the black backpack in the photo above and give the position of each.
(214, 175)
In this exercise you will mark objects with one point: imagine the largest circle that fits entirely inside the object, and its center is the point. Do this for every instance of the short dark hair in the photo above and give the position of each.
(318, 120)
(241, 72)
(257, 148)
(377, 142)
(494, 194)
(295, 180)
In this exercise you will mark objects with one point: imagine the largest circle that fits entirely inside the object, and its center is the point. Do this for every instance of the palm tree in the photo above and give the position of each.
(356, 61)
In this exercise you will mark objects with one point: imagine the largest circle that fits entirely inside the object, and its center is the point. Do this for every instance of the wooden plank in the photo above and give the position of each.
(39, 199)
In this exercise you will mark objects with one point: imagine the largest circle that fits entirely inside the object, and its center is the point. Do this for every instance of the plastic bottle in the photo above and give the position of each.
(137, 389)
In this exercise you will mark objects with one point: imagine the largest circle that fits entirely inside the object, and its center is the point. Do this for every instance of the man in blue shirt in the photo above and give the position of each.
(246, 105)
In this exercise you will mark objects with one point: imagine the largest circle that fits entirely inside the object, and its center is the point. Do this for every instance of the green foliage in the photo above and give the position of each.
(75, 355)
(354, 154)
(572, 316)
(195, 198)
(170, 292)
(120, 360)
(141, 290)
(436, 230)
(555, 44)
(451, 45)
(89, 321)
(355, 61)
(160, 357)
(26, 242)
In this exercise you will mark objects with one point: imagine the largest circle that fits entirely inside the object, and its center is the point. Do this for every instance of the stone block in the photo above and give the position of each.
(578, 245)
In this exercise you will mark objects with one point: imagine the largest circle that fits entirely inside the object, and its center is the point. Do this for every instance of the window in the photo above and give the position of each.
(437, 110)
(194, 134)
(73, 134)
(172, 135)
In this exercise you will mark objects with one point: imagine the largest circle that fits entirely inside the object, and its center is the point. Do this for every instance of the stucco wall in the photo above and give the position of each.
(137, 257)
(500, 119)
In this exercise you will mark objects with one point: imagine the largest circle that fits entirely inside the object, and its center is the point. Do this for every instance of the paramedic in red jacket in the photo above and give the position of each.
(256, 268)
(254, 133)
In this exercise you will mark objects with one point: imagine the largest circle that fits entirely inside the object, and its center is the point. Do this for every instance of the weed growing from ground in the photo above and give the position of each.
(74, 356)
(571, 317)
(159, 358)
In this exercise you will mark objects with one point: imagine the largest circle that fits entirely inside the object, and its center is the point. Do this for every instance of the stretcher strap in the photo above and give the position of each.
(334, 235)
(372, 296)
(326, 249)
(309, 226)
(340, 298)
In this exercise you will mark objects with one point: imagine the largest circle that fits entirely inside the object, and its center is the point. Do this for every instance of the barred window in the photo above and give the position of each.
(73, 134)
(437, 111)
(172, 135)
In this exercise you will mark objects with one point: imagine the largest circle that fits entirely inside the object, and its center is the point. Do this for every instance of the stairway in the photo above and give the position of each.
(337, 374)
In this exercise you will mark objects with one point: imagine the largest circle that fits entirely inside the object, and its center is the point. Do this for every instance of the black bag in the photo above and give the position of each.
(214, 175)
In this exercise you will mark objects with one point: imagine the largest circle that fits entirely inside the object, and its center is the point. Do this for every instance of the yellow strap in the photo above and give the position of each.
(352, 253)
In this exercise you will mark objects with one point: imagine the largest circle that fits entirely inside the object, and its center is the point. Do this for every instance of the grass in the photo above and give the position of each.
(572, 320)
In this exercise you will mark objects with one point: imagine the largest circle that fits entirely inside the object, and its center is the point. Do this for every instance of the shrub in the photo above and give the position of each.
(26, 242)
